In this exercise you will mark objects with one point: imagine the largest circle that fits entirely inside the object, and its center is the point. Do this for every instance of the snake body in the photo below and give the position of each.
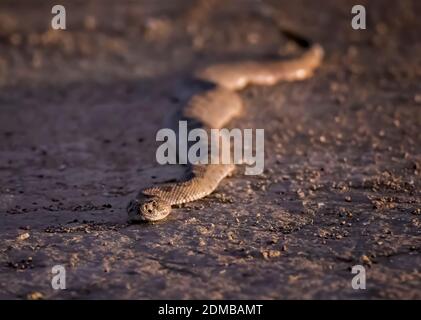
(213, 109)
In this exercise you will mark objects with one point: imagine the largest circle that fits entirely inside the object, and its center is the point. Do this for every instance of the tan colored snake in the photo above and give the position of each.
(214, 108)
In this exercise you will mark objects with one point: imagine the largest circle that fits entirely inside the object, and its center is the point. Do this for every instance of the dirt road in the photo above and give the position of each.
(79, 109)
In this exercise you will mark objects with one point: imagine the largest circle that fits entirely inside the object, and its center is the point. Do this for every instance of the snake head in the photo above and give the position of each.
(148, 209)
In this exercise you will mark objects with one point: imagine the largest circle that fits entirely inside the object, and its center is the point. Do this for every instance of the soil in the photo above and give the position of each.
(79, 110)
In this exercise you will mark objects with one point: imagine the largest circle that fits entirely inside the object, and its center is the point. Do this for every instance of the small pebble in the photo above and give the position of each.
(365, 259)
(268, 254)
(35, 296)
(23, 236)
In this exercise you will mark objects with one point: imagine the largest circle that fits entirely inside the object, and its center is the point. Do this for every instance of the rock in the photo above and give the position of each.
(23, 236)
(35, 296)
(268, 254)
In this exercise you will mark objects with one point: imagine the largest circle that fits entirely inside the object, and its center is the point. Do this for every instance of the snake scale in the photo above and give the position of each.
(214, 108)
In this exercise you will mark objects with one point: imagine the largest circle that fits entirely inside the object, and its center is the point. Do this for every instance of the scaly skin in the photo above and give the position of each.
(214, 109)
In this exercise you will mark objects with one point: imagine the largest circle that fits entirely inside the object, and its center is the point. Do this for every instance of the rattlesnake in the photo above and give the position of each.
(213, 109)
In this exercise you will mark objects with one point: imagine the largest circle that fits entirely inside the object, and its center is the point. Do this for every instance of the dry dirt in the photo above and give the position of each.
(79, 110)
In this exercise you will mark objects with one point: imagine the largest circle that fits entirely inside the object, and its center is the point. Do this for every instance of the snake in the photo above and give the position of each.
(213, 109)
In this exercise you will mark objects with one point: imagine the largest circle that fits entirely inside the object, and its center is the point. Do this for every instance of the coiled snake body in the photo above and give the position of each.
(213, 109)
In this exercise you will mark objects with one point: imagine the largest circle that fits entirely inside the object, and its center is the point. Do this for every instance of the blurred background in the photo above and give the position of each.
(131, 39)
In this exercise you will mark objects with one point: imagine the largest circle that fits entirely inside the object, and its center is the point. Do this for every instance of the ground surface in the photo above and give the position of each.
(79, 110)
